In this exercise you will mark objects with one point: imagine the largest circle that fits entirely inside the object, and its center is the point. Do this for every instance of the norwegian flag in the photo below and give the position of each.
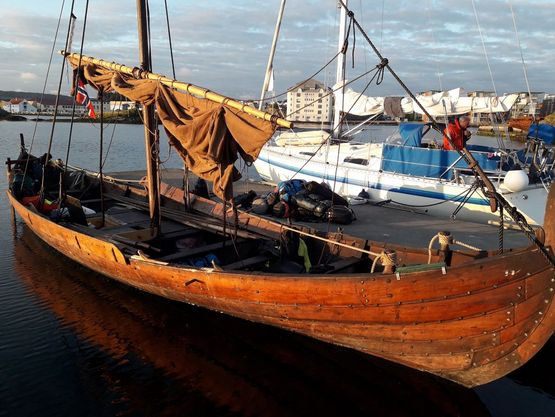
(82, 97)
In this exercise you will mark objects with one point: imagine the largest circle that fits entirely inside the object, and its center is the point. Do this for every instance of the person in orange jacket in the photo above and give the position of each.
(458, 133)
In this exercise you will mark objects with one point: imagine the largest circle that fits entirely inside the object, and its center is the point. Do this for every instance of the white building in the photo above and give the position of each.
(310, 102)
(65, 106)
(119, 105)
(19, 106)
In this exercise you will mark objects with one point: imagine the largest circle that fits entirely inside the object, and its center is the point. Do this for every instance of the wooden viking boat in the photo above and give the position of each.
(210, 353)
(472, 322)
(467, 317)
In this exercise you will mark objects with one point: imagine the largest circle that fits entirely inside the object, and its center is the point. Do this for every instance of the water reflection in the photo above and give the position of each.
(151, 356)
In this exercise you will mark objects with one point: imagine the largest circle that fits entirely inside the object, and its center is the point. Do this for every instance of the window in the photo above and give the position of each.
(359, 161)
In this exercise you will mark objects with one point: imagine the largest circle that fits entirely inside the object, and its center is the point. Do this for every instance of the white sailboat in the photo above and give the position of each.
(409, 171)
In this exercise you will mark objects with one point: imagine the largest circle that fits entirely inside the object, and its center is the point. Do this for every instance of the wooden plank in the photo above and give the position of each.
(245, 263)
(195, 251)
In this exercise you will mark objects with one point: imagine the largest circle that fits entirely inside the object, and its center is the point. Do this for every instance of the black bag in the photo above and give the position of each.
(364, 194)
(281, 210)
(245, 200)
(340, 215)
(260, 206)
(272, 198)
(314, 188)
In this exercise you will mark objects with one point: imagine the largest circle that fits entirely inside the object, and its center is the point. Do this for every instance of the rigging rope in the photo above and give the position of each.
(43, 91)
(42, 186)
(76, 84)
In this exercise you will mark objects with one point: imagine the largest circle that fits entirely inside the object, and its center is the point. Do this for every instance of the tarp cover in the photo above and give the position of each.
(444, 103)
(543, 132)
(207, 135)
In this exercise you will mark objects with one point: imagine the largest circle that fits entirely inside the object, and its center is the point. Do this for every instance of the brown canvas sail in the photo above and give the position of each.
(208, 136)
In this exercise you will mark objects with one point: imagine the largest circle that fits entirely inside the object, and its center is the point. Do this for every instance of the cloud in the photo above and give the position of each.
(28, 76)
(224, 45)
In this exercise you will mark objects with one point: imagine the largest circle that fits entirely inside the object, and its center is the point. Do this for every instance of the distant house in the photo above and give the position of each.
(65, 106)
(310, 102)
(119, 105)
(528, 104)
(19, 106)
(48, 104)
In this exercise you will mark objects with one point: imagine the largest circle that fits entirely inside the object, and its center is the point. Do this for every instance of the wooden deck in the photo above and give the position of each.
(387, 224)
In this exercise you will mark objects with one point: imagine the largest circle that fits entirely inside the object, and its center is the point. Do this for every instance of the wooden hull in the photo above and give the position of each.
(474, 324)
(212, 353)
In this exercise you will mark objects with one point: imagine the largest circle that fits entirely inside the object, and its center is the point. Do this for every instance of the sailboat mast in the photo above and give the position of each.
(151, 139)
(269, 67)
(340, 74)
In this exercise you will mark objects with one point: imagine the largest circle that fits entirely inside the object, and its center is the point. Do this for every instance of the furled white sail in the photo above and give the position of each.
(448, 103)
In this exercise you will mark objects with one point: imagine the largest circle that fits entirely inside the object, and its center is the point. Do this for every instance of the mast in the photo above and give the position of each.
(269, 67)
(340, 74)
(151, 139)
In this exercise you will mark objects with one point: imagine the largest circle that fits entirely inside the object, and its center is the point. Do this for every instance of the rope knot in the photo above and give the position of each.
(445, 238)
(384, 63)
(388, 258)
(137, 73)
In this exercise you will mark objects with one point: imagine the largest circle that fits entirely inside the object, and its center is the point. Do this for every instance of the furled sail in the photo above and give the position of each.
(444, 103)
(208, 136)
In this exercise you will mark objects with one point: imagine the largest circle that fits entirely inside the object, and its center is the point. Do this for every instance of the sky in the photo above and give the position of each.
(224, 45)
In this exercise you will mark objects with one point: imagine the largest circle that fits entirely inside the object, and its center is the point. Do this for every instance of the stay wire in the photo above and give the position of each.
(169, 37)
(342, 119)
(302, 82)
(377, 67)
(522, 58)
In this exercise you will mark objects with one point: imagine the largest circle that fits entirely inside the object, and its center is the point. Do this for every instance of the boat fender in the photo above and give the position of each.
(340, 215)
(322, 208)
(516, 180)
(304, 202)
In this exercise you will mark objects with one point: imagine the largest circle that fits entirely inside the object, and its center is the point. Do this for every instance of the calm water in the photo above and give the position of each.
(73, 343)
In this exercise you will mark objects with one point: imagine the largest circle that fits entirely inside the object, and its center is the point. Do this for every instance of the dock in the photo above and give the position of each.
(379, 223)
